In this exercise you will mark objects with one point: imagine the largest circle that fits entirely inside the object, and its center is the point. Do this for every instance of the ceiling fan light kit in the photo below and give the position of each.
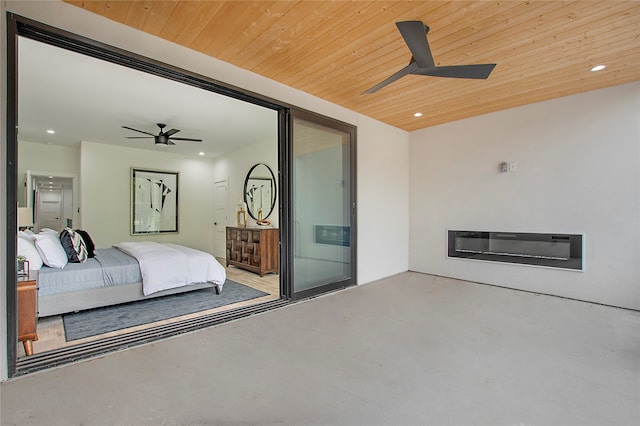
(161, 139)
(414, 34)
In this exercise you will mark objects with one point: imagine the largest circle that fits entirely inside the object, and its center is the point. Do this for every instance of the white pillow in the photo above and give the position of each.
(51, 250)
(27, 248)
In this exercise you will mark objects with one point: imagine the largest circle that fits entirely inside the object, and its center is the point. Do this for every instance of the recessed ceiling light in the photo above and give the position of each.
(598, 68)
(51, 132)
(201, 153)
(417, 114)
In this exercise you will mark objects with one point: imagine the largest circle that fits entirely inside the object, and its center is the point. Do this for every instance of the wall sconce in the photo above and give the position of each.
(506, 167)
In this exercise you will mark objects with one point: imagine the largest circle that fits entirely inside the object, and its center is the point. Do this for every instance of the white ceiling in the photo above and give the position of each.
(87, 99)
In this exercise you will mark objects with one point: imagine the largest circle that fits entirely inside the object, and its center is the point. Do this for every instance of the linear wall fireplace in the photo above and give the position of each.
(552, 250)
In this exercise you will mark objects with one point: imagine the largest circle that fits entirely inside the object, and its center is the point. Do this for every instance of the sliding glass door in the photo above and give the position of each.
(323, 233)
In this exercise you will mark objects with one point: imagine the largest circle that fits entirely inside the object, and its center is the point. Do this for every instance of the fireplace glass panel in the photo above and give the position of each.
(553, 250)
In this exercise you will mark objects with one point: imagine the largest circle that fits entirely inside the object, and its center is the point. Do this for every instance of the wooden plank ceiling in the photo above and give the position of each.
(338, 49)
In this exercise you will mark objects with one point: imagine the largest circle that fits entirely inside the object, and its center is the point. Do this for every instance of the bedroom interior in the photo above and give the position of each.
(96, 196)
(183, 202)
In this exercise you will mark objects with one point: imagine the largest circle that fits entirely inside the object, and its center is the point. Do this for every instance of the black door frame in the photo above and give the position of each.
(351, 130)
(20, 26)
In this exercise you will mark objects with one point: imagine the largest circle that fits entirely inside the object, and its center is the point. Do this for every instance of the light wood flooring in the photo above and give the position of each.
(51, 331)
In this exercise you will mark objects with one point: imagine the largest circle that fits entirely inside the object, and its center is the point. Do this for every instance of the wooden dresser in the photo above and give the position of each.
(253, 249)
(27, 311)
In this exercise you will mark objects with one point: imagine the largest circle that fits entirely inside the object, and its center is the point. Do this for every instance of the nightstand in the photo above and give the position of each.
(27, 311)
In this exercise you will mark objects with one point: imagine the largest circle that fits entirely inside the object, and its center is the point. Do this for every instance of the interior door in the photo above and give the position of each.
(49, 209)
(220, 200)
(323, 197)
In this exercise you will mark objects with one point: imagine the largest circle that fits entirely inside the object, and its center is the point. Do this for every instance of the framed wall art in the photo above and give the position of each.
(154, 202)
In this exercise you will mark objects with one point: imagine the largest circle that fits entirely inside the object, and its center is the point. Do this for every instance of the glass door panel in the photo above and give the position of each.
(323, 207)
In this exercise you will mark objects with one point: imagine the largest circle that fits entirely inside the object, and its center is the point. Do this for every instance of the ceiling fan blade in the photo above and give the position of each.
(476, 71)
(171, 132)
(409, 69)
(414, 34)
(136, 130)
(186, 139)
(140, 137)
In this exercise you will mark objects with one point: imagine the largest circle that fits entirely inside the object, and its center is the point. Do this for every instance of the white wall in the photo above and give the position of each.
(578, 172)
(233, 168)
(105, 194)
(382, 150)
(53, 158)
(383, 200)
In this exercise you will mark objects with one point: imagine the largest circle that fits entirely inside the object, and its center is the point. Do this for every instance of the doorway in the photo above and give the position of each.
(49, 208)
(53, 198)
(220, 200)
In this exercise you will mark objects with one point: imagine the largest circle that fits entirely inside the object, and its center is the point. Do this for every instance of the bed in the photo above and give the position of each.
(125, 273)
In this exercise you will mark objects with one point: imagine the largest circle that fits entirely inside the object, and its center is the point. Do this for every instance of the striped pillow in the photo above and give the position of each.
(73, 245)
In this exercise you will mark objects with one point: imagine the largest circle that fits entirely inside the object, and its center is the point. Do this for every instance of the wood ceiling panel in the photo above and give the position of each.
(92, 6)
(116, 10)
(272, 39)
(197, 23)
(225, 27)
(324, 41)
(160, 13)
(137, 14)
(181, 18)
(336, 50)
(336, 58)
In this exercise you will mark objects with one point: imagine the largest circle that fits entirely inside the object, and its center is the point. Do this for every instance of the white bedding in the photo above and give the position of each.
(165, 266)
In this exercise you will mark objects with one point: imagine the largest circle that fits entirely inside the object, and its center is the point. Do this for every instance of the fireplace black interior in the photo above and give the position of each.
(552, 250)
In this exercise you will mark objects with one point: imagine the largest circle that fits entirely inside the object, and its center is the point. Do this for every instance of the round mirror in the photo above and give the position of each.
(260, 192)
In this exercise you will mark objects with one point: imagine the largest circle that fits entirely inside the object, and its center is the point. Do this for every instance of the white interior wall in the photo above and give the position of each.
(578, 171)
(106, 212)
(233, 168)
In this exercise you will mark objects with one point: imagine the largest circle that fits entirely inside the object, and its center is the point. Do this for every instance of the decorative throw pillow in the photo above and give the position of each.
(51, 250)
(73, 245)
(27, 248)
(87, 242)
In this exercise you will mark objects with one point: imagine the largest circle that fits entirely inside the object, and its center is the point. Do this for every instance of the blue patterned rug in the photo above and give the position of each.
(92, 322)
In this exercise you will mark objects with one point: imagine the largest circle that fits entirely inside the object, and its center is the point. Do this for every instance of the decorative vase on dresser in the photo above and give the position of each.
(253, 249)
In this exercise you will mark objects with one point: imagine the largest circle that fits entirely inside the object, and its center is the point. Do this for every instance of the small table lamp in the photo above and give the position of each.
(25, 218)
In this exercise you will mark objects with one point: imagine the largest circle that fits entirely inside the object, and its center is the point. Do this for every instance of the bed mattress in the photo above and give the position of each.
(109, 267)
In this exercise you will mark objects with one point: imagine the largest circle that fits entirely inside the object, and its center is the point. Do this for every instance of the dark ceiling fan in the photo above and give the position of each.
(422, 63)
(162, 138)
